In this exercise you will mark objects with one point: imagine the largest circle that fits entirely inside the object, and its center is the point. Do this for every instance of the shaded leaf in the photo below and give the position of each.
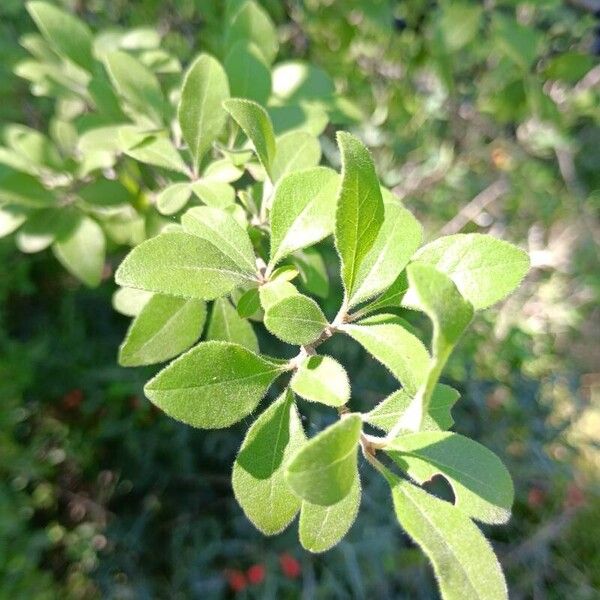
(322, 527)
(258, 472)
(165, 327)
(227, 325)
(482, 486)
(325, 469)
(463, 560)
(360, 211)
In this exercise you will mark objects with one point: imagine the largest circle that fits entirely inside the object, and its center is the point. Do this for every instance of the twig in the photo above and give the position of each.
(476, 206)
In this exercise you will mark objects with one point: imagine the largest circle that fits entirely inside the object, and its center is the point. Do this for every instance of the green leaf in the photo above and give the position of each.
(180, 264)
(221, 171)
(321, 379)
(435, 294)
(297, 81)
(249, 303)
(213, 385)
(309, 117)
(155, 150)
(200, 113)
(484, 269)
(392, 297)
(217, 194)
(459, 24)
(252, 24)
(482, 486)
(34, 147)
(313, 271)
(258, 472)
(137, 85)
(228, 326)
(24, 190)
(129, 301)
(519, 42)
(303, 211)
(295, 151)
(255, 122)
(385, 337)
(463, 560)
(222, 230)
(43, 227)
(67, 35)
(392, 409)
(82, 251)
(11, 218)
(249, 76)
(173, 198)
(322, 527)
(296, 319)
(165, 327)
(325, 469)
(399, 237)
(272, 292)
(360, 211)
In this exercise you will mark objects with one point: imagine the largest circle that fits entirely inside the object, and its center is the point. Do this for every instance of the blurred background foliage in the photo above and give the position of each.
(482, 116)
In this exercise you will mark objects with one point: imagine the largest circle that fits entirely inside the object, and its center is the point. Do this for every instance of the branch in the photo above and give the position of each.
(476, 206)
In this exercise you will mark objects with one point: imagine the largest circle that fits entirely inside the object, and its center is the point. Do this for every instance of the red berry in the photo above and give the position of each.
(289, 565)
(236, 579)
(72, 399)
(536, 497)
(256, 574)
(575, 496)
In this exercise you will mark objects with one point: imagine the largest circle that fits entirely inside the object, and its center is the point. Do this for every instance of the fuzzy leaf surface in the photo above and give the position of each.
(303, 211)
(258, 472)
(322, 379)
(180, 264)
(324, 470)
(213, 385)
(482, 485)
(165, 327)
(463, 560)
(360, 213)
(484, 269)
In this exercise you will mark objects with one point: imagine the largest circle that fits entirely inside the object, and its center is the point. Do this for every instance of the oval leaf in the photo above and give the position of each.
(213, 385)
(296, 319)
(303, 211)
(200, 113)
(322, 527)
(484, 269)
(165, 327)
(256, 124)
(228, 326)
(482, 485)
(387, 340)
(324, 470)
(463, 560)
(180, 264)
(222, 230)
(359, 213)
(322, 379)
(258, 472)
